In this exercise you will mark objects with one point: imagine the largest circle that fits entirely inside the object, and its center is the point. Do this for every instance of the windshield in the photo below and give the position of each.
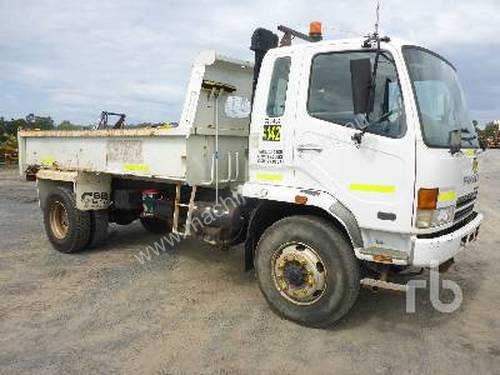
(440, 99)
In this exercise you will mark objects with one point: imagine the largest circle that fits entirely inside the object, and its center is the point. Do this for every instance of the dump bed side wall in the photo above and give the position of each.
(150, 156)
(185, 153)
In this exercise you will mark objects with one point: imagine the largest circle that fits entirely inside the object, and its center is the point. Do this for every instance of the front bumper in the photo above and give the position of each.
(435, 251)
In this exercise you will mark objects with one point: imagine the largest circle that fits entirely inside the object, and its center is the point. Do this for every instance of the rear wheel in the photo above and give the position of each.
(99, 221)
(155, 225)
(67, 228)
(307, 270)
(122, 217)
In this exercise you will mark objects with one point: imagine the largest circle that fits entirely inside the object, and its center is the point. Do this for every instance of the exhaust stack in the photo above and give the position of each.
(262, 41)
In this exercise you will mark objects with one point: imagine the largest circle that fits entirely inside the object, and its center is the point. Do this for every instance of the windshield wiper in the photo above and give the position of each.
(358, 137)
(469, 139)
(382, 118)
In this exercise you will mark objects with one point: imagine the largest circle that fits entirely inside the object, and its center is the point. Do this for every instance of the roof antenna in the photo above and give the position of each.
(373, 40)
(378, 17)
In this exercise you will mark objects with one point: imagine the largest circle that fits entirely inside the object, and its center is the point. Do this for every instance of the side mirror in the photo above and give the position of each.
(455, 141)
(482, 143)
(361, 79)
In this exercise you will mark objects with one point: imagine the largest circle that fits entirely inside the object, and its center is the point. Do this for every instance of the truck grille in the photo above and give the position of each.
(465, 206)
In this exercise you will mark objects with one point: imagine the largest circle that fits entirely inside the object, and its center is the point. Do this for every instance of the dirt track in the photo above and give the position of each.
(193, 309)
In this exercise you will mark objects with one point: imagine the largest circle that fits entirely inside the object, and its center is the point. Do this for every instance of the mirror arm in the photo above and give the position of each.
(373, 83)
(368, 43)
(455, 148)
(358, 137)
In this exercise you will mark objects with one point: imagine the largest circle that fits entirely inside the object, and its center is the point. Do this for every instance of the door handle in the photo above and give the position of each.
(309, 147)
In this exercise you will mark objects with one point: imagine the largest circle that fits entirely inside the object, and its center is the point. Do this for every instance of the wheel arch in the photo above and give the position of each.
(92, 191)
(45, 187)
(266, 213)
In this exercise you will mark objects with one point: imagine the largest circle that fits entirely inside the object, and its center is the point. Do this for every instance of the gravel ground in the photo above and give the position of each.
(194, 310)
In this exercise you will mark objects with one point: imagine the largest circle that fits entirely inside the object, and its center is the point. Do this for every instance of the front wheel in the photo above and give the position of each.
(307, 270)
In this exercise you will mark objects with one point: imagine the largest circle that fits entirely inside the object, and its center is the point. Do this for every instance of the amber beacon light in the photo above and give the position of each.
(315, 30)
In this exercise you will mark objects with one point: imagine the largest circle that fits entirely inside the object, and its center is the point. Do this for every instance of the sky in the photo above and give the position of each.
(72, 59)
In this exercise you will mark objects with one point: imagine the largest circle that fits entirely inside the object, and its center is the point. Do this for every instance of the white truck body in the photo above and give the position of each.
(296, 155)
(381, 176)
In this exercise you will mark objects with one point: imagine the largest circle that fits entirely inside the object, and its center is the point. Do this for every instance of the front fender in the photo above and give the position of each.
(311, 198)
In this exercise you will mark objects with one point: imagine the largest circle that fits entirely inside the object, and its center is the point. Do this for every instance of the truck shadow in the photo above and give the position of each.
(390, 310)
(382, 309)
(131, 236)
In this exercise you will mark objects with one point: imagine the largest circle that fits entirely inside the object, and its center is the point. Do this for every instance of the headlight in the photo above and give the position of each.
(424, 218)
(428, 213)
(435, 218)
(443, 216)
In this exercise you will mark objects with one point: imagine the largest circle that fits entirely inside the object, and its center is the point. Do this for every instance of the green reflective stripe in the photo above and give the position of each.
(384, 189)
(447, 196)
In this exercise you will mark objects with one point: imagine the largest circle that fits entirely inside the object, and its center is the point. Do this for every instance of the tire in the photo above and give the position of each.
(155, 225)
(99, 221)
(67, 228)
(122, 217)
(327, 290)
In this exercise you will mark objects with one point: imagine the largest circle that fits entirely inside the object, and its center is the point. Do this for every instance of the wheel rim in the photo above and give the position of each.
(58, 218)
(299, 273)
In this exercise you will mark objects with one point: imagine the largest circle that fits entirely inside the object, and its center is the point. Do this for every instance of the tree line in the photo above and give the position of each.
(9, 128)
(490, 135)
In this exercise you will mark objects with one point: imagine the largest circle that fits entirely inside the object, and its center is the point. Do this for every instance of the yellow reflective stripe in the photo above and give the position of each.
(447, 196)
(136, 168)
(470, 153)
(269, 177)
(384, 189)
(48, 161)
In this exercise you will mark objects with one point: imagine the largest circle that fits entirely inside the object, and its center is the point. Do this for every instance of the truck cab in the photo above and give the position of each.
(392, 176)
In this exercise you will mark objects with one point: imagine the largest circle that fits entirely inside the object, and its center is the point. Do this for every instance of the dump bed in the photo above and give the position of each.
(215, 116)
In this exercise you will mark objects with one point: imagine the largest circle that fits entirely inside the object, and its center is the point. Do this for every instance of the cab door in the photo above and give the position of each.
(373, 179)
(273, 117)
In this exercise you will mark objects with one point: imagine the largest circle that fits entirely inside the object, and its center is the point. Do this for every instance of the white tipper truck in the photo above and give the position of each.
(332, 161)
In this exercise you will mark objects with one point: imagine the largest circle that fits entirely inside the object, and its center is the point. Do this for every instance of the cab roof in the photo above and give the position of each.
(349, 43)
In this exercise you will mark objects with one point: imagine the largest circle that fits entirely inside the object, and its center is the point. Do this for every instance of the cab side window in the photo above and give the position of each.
(276, 99)
(331, 97)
